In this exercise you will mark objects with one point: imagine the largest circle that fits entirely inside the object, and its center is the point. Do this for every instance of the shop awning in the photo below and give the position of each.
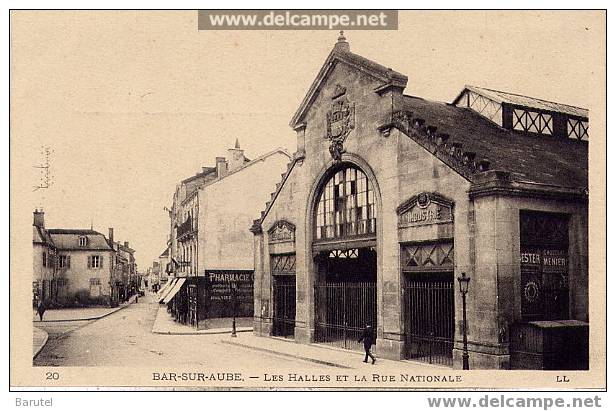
(174, 290)
(164, 288)
(169, 287)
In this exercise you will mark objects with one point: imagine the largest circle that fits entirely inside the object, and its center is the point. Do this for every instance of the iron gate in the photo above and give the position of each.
(284, 306)
(342, 310)
(429, 319)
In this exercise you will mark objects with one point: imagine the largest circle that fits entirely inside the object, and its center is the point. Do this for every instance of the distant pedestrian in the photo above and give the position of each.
(41, 309)
(369, 338)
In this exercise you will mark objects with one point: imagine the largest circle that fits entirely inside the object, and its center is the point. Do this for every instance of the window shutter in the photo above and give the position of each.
(68, 261)
(100, 259)
(89, 261)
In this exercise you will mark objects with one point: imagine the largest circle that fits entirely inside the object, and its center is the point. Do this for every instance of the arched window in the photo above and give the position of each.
(346, 206)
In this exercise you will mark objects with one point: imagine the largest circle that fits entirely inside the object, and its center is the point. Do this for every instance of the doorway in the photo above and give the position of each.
(284, 306)
(429, 317)
(345, 296)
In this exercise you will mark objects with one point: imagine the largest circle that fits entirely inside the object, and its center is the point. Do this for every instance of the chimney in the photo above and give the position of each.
(110, 235)
(39, 218)
(126, 244)
(221, 167)
(236, 157)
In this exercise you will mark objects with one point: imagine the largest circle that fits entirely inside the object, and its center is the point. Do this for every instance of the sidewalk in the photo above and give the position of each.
(38, 341)
(325, 355)
(79, 314)
(164, 324)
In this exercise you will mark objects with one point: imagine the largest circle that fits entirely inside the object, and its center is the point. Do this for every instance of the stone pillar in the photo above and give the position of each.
(261, 294)
(490, 300)
(304, 283)
(390, 341)
(300, 129)
(304, 263)
(578, 265)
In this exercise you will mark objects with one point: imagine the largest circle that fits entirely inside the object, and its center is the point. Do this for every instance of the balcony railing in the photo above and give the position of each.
(185, 228)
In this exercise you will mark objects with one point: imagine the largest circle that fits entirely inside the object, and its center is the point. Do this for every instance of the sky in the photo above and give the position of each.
(132, 102)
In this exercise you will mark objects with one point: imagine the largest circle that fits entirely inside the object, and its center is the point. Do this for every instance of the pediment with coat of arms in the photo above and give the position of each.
(282, 231)
(340, 121)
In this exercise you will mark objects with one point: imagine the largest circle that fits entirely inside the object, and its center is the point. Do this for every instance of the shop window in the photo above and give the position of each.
(544, 266)
(346, 206)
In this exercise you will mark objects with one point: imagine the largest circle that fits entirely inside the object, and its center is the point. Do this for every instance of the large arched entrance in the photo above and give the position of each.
(344, 249)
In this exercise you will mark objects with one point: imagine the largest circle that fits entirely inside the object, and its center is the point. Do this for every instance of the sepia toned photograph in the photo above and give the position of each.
(308, 199)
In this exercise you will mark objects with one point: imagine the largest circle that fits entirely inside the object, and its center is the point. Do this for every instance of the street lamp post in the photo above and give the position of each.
(463, 280)
(233, 307)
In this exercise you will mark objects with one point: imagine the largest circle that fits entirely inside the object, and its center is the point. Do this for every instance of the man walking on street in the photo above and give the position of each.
(41, 309)
(369, 338)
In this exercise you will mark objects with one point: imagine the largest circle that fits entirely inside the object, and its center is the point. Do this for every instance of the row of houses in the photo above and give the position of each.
(389, 200)
(79, 267)
(157, 275)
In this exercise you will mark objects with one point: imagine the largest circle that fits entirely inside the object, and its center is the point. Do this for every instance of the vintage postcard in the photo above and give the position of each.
(307, 199)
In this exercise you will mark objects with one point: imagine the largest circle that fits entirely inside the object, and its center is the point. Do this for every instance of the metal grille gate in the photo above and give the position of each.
(429, 319)
(342, 311)
(284, 306)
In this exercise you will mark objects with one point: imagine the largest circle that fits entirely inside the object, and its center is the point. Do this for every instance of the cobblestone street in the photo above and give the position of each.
(124, 338)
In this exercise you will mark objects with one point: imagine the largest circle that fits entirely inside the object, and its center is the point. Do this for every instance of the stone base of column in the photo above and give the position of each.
(481, 360)
(262, 327)
(304, 335)
(391, 349)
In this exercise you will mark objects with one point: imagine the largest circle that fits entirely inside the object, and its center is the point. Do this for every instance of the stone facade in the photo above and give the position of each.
(77, 266)
(484, 225)
(43, 260)
(209, 241)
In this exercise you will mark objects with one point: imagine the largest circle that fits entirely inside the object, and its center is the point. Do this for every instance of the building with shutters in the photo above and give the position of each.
(211, 256)
(44, 254)
(77, 267)
(391, 197)
(125, 275)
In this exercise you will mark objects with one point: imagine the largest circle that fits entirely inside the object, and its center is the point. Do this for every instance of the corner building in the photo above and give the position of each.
(390, 198)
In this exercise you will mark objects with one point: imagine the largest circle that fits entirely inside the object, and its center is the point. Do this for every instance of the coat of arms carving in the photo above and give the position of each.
(282, 231)
(340, 122)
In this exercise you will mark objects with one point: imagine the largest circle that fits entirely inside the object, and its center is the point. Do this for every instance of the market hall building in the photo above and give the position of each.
(390, 198)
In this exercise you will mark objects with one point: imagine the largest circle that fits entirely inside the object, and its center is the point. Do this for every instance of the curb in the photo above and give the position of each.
(202, 332)
(191, 331)
(87, 319)
(299, 357)
(42, 345)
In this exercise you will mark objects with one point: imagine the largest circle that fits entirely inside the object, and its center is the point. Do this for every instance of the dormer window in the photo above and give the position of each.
(83, 241)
